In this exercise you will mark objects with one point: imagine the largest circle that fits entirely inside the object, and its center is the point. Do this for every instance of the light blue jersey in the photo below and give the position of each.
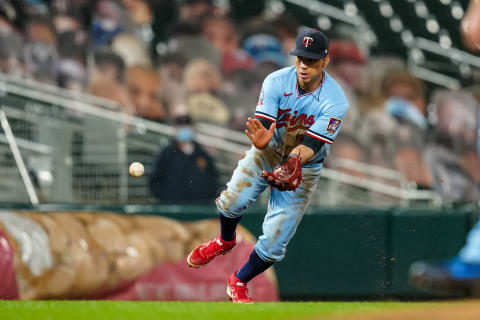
(318, 114)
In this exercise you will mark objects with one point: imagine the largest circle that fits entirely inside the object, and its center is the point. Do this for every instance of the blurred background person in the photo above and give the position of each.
(40, 51)
(11, 54)
(286, 27)
(348, 63)
(108, 79)
(223, 34)
(187, 41)
(140, 19)
(347, 147)
(196, 11)
(68, 21)
(451, 153)
(145, 90)
(348, 66)
(132, 50)
(109, 64)
(204, 107)
(183, 172)
(266, 50)
(203, 91)
(72, 66)
(376, 127)
(406, 103)
(107, 22)
(201, 76)
(344, 158)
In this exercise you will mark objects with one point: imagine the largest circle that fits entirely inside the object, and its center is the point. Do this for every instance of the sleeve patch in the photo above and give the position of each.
(260, 99)
(333, 125)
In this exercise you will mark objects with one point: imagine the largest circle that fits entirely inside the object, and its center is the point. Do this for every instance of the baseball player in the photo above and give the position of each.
(298, 116)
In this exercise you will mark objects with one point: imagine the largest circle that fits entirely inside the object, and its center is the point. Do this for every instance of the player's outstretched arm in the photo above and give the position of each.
(258, 134)
(302, 150)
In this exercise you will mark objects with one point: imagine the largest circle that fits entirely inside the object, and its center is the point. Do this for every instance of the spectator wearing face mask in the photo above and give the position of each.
(106, 23)
(406, 103)
(40, 51)
(183, 171)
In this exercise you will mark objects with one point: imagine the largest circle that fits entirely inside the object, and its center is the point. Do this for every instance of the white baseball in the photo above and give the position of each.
(136, 169)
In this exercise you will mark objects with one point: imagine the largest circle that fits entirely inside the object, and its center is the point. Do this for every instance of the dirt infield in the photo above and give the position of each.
(446, 310)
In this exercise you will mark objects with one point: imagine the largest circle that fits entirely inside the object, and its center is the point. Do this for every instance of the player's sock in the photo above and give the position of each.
(254, 266)
(228, 227)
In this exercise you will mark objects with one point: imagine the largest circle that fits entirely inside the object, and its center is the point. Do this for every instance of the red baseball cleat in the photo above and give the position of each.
(206, 252)
(237, 290)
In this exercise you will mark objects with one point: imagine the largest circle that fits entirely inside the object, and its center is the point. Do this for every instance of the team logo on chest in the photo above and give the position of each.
(294, 121)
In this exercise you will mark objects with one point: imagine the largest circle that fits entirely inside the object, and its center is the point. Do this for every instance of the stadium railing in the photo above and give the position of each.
(76, 149)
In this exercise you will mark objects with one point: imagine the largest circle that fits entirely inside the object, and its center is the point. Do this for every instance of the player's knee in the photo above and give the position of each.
(229, 206)
(271, 253)
(275, 255)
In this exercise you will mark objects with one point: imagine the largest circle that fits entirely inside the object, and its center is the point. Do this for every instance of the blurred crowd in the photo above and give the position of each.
(161, 59)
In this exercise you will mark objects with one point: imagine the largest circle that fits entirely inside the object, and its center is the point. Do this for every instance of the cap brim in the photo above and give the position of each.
(301, 53)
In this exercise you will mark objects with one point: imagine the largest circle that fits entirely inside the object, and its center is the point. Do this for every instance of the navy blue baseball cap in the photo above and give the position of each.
(312, 44)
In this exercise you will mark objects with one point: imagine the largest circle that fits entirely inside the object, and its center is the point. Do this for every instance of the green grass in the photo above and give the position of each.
(93, 310)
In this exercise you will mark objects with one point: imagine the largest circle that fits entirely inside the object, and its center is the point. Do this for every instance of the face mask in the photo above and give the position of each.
(184, 134)
(104, 29)
(401, 108)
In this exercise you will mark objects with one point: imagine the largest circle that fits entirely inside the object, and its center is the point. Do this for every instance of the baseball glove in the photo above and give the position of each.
(287, 175)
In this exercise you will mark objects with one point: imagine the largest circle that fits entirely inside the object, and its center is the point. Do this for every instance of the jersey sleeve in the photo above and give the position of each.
(327, 126)
(267, 106)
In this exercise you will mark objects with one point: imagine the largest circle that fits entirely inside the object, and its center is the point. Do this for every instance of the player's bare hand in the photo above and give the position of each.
(258, 134)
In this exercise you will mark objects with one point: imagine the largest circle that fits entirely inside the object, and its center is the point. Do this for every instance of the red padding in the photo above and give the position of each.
(8, 281)
(177, 281)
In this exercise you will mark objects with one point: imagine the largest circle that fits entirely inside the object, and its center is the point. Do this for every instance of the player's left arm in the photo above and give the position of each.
(306, 153)
(324, 130)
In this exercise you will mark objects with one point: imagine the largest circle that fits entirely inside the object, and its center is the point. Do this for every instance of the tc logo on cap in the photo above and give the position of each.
(307, 41)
